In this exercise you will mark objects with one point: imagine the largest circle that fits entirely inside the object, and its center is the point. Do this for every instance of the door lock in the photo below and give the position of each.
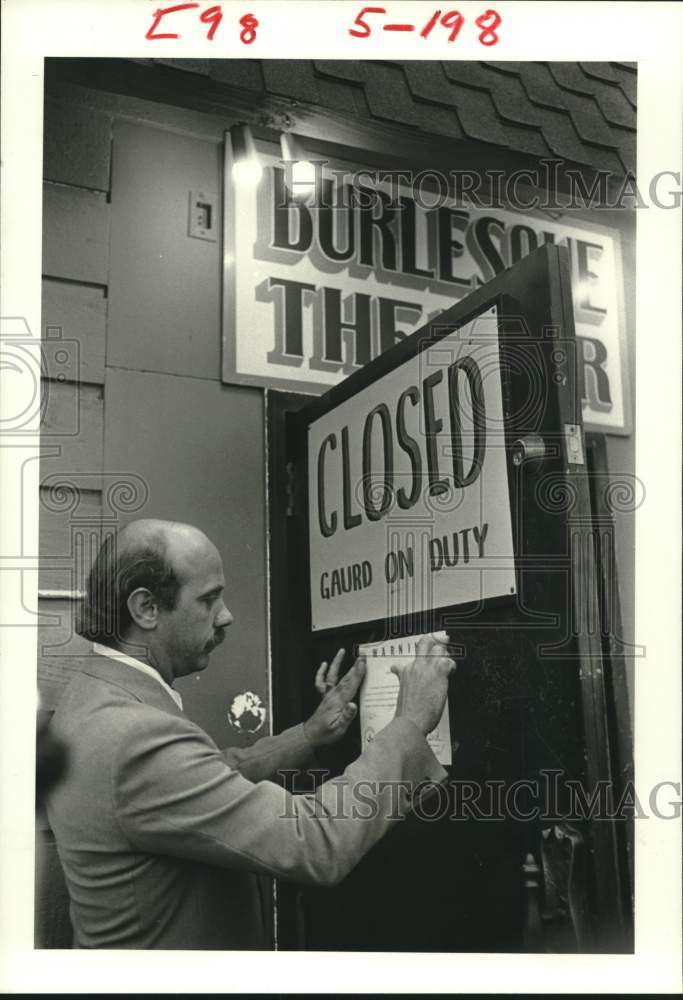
(528, 449)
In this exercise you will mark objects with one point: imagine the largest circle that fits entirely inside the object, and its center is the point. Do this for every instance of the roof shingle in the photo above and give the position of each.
(582, 112)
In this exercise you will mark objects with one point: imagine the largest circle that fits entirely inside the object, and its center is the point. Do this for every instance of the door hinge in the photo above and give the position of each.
(290, 490)
(574, 444)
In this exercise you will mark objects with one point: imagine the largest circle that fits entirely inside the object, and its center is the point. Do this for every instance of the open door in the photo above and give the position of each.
(461, 451)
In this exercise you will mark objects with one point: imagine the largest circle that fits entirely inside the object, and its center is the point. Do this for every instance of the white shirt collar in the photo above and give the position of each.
(144, 668)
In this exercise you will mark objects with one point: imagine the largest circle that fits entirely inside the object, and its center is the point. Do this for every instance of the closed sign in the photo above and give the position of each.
(409, 507)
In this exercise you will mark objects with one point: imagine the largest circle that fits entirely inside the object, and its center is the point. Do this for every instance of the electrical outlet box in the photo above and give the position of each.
(202, 217)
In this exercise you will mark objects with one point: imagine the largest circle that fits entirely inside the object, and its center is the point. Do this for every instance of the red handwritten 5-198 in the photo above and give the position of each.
(452, 20)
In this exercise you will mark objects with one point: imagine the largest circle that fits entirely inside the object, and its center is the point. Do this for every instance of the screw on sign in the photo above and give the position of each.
(488, 22)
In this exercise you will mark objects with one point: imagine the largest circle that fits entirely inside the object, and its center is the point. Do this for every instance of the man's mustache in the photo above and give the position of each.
(218, 638)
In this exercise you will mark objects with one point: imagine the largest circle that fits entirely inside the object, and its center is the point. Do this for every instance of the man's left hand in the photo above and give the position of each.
(336, 711)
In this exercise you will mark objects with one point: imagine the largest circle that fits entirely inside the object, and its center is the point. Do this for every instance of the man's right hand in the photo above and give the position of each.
(424, 684)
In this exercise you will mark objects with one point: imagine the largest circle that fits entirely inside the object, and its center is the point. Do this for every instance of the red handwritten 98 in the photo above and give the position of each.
(212, 17)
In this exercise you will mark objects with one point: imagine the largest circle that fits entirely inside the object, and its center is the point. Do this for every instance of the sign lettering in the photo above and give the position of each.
(327, 272)
(408, 494)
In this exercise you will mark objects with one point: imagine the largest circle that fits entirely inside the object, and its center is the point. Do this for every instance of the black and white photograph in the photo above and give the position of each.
(336, 527)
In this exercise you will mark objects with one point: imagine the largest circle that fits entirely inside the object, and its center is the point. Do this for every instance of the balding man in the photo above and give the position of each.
(160, 833)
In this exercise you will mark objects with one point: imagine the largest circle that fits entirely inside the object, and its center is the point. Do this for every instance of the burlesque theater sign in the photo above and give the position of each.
(321, 277)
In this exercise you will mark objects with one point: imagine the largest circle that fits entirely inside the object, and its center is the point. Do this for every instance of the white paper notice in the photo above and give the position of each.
(379, 692)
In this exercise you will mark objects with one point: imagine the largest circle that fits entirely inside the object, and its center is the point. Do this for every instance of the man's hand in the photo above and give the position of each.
(424, 684)
(336, 711)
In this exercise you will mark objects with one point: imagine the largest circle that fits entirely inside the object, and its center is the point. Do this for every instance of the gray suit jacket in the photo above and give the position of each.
(159, 831)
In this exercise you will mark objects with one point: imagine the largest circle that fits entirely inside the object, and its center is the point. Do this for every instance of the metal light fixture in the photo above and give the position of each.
(300, 176)
(246, 167)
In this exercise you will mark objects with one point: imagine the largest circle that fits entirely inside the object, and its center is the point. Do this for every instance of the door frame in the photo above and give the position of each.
(287, 495)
